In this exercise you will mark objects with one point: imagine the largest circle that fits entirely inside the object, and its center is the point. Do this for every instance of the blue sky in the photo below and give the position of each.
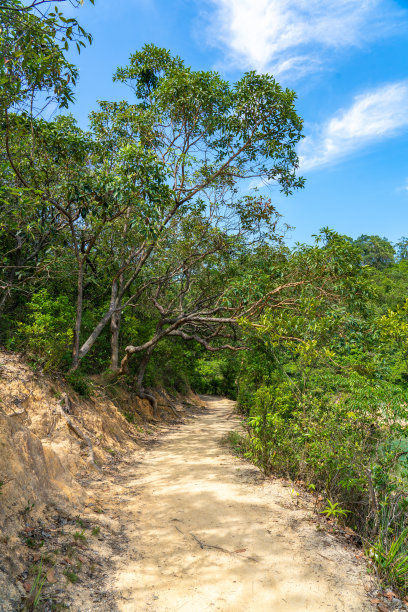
(346, 59)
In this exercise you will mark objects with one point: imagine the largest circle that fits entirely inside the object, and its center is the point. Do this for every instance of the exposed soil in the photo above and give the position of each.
(198, 528)
(57, 450)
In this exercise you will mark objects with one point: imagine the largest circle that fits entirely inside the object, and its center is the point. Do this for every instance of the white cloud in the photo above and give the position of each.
(404, 187)
(373, 116)
(290, 36)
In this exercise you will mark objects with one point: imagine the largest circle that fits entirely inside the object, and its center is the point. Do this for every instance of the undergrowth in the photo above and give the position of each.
(347, 441)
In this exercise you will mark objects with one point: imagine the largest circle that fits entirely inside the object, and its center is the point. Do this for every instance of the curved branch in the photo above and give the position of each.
(205, 344)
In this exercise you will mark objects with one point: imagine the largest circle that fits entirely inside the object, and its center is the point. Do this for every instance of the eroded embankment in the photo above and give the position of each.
(48, 509)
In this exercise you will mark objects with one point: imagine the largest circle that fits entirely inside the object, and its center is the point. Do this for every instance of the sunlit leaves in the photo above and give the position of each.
(35, 71)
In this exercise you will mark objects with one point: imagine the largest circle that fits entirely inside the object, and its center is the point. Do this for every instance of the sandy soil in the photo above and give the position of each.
(205, 531)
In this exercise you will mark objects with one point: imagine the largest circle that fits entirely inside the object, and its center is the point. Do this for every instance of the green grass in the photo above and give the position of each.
(71, 576)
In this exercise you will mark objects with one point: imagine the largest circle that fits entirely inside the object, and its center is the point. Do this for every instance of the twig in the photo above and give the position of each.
(373, 499)
(17, 413)
(204, 545)
(327, 558)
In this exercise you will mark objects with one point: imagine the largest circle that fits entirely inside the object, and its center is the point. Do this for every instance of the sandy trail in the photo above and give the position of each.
(207, 532)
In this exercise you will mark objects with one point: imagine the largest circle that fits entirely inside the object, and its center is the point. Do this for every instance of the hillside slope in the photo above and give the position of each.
(51, 441)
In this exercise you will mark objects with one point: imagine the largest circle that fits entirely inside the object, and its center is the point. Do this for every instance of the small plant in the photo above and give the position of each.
(34, 596)
(57, 394)
(26, 511)
(80, 522)
(334, 510)
(71, 576)
(33, 543)
(96, 531)
(393, 563)
(80, 535)
(237, 442)
(79, 383)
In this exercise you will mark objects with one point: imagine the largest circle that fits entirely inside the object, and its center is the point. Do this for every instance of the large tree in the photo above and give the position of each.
(375, 251)
(35, 75)
(191, 142)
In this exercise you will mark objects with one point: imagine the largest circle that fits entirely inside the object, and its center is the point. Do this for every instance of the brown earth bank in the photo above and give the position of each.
(52, 441)
(168, 519)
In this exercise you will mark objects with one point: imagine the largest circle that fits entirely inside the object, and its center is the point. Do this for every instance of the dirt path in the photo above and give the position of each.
(205, 531)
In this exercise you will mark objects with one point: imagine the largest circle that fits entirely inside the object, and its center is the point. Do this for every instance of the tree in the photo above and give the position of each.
(402, 249)
(34, 75)
(186, 145)
(375, 251)
(196, 294)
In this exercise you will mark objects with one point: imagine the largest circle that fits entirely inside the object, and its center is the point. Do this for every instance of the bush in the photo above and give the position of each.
(79, 383)
(48, 332)
(333, 440)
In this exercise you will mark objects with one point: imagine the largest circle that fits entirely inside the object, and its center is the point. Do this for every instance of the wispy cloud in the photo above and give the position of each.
(404, 187)
(289, 36)
(373, 116)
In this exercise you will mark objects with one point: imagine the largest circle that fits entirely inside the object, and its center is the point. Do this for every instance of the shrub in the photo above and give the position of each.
(79, 383)
(334, 439)
(48, 332)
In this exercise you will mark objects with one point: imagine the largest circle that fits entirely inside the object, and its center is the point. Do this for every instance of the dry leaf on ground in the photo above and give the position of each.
(51, 577)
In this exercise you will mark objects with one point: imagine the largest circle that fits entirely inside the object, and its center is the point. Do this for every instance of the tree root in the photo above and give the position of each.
(76, 430)
(17, 413)
(170, 405)
(153, 401)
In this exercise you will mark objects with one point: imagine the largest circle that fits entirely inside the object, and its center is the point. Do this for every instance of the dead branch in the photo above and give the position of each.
(204, 545)
(373, 499)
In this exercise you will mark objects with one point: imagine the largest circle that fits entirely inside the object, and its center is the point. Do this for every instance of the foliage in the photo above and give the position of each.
(48, 330)
(34, 596)
(402, 249)
(71, 576)
(375, 251)
(322, 397)
(393, 560)
(35, 71)
(79, 383)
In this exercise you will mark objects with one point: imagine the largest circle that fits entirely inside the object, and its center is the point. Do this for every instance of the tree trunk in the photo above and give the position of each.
(115, 330)
(109, 314)
(3, 299)
(86, 347)
(115, 326)
(78, 320)
(141, 392)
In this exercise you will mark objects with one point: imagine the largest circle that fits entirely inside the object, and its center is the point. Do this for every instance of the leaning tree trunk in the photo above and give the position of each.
(141, 392)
